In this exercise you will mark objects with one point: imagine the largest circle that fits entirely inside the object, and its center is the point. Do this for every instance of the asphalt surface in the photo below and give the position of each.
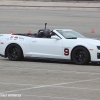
(49, 80)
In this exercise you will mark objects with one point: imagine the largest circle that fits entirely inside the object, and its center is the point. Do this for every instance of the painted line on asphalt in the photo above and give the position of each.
(52, 86)
(22, 69)
(44, 86)
(54, 97)
(76, 88)
(17, 84)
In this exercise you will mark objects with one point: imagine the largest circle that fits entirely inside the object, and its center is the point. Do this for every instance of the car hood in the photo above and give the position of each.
(88, 40)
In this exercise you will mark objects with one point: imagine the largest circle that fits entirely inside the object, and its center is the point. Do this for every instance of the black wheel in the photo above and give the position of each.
(14, 52)
(80, 55)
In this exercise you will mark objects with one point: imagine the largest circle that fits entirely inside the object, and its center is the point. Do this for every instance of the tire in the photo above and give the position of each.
(80, 56)
(14, 52)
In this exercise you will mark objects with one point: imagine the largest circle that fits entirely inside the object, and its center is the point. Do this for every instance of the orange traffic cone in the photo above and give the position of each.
(92, 30)
(38, 8)
(29, 31)
(15, 7)
(26, 8)
(11, 32)
(68, 9)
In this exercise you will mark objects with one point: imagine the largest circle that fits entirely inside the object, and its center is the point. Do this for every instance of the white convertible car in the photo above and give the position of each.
(61, 44)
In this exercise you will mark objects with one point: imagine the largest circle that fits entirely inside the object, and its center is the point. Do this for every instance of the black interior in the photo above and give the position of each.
(42, 33)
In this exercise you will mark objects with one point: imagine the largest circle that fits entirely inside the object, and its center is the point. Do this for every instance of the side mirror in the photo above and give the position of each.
(55, 37)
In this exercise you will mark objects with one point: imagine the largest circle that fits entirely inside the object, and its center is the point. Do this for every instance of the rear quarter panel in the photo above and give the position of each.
(22, 41)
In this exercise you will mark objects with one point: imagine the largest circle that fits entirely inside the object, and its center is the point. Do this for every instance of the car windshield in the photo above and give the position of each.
(70, 34)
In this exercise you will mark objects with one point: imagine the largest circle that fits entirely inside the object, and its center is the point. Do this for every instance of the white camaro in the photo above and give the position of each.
(57, 44)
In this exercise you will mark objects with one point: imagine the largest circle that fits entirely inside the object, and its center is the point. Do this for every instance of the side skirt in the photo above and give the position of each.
(48, 59)
(3, 56)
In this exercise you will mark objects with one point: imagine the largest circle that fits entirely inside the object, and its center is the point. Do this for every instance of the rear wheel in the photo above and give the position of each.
(80, 55)
(14, 52)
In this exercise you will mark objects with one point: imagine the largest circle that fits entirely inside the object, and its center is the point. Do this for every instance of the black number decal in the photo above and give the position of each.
(66, 51)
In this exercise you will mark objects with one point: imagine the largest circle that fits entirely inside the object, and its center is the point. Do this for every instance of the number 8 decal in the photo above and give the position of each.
(66, 51)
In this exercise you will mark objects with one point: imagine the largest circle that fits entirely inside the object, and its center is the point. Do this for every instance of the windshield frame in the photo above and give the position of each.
(78, 35)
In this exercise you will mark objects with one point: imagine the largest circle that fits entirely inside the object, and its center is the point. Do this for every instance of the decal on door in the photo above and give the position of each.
(21, 38)
(66, 51)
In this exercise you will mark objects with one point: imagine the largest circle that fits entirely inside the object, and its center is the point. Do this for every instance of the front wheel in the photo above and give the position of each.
(80, 56)
(14, 52)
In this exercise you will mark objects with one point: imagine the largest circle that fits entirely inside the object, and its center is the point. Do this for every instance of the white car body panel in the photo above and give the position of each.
(45, 47)
(48, 47)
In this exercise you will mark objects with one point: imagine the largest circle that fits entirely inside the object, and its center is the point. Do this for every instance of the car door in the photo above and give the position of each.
(46, 47)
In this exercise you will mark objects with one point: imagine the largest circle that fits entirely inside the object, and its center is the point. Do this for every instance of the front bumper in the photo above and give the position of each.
(95, 55)
(98, 55)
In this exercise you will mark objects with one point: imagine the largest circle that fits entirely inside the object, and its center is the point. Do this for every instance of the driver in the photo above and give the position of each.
(40, 34)
(46, 33)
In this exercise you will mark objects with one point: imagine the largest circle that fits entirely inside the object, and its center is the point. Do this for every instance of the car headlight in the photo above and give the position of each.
(98, 47)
